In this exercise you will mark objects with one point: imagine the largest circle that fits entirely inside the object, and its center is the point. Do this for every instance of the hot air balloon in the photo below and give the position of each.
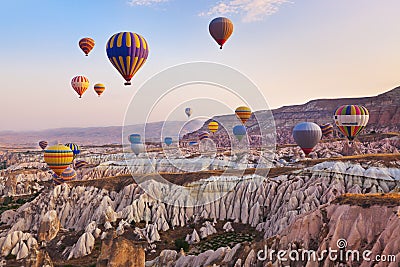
(80, 163)
(135, 138)
(221, 29)
(307, 135)
(243, 113)
(351, 120)
(168, 141)
(326, 129)
(188, 112)
(99, 88)
(203, 135)
(86, 44)
(43, 144)
(58, 158)
(137, 148)
(239, 131)
(213, 126)
(67, 175)
(80, 84)
(193, 143)
(127, 51)
(75, 148)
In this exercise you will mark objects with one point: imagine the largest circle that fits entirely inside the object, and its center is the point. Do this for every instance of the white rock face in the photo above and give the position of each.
(17, 243)
(193, 238)
(83, 246)
(207, 229)
(228, 227)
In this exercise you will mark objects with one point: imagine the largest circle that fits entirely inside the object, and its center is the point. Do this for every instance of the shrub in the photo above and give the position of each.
(180, 243)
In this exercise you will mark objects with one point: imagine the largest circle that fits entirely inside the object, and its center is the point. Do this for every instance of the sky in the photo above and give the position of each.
(294, 51)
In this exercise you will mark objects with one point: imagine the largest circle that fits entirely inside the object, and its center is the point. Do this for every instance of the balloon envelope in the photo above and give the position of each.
(137, 148)
(326, 129)
(168, 140)
(213, 126)
(99, 88)
(135, 138)
(43, 144)
(221, 29)
(307, 135)
(188, 112)
(351, 120)
(86, 44)
(127, 52)
(192, 143)
(243, 113)
(67, 175)
(80, 84)
(239, 131)
(58, 158)
(74, 147)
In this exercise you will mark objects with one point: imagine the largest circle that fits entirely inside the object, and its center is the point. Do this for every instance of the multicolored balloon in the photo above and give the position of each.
(80, 164)
(99, 88)
(188, 112)
(58, 158)
(239, 131)
(307, 135)
(243, 113)
(67, 175)
(43, 144)
(135, 139)
(221, 29)
(203, 135)
(168, 141)
(351, 120)
(127, 51)
(137, 148)
(86, 44)
(80, 84)
(327, 129)
(75, 148)
(213, 126)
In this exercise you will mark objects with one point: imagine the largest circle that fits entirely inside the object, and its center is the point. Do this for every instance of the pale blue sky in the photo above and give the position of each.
(294, 51)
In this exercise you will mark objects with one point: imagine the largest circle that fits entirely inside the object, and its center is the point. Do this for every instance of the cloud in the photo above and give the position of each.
(145, 2)
(249, 10)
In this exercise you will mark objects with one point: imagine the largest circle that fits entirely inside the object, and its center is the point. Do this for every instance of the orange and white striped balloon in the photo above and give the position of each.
(99, 88)
(80, 84)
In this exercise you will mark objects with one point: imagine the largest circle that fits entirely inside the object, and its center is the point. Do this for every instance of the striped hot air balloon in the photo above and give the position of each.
(86, 44)
(243, 113)
(80, 84)
(67, 175)
(221, 29)
(127, 51)
(351, 120)
(307, 136)
(327, 129)
(75, 148)
(213, 126)
(80, 164)
(203, 135)
(43, 144)
(99, 88)
(58, 158)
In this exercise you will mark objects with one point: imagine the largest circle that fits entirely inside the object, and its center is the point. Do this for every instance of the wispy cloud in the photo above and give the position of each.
(145, 2)
(249, 10)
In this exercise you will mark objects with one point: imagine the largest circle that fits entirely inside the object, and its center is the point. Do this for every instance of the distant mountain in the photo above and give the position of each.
(384, 115)
(99, 135)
